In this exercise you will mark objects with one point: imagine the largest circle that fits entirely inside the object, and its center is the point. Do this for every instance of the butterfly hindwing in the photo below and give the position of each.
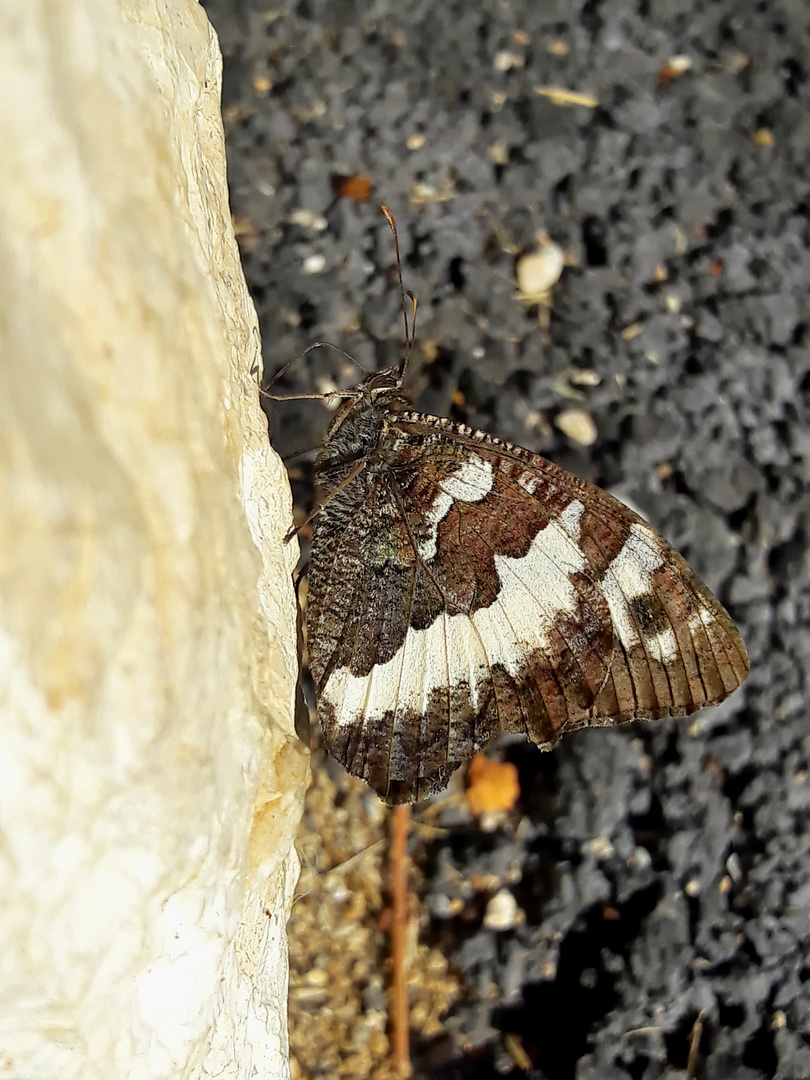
(674, 642)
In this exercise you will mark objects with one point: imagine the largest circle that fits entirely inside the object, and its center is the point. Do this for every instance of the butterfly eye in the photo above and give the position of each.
(383, 382)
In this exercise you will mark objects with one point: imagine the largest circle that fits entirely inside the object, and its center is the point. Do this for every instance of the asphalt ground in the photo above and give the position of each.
(662, 870)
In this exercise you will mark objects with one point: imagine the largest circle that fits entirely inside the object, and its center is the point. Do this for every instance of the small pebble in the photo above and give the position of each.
(536, 273)
(577, 425)
(439, 905)
(583, 377)
(501, 912)
(308, 219)
(601, 847)
(317, 977)
(640, 859)
(678, 65)
(314, 264)
(506, 60)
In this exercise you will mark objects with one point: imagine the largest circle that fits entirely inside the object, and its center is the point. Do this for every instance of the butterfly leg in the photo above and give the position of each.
(358, 468)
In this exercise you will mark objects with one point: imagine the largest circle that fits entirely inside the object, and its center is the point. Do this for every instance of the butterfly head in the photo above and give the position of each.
(379, 384)
(360, 418)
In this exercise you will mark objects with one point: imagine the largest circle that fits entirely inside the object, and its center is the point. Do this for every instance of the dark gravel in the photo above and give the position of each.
(664, 870)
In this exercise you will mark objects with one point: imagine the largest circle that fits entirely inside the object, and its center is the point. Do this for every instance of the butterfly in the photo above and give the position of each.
(460, 586)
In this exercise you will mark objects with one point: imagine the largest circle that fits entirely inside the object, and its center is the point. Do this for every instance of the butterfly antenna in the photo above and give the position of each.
(408, 332)
(412, 299)
(264, 390)
(309, 349)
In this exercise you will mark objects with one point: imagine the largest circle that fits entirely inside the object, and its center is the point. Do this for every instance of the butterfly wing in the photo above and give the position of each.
(491, 590)
(367, 587)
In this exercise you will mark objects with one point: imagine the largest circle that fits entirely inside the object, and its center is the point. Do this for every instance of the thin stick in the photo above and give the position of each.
(400, 1047)
(694, 1044)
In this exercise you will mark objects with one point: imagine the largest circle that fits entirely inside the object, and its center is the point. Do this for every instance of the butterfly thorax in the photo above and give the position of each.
(356, 429)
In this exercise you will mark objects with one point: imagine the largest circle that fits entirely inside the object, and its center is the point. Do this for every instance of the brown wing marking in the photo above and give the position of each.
(547, 687)
(706, 659)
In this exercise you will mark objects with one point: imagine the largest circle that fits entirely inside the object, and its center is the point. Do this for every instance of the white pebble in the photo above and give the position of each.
(505, 60)
(501, 912)
(308, 219)
(314, 264)
(679, 64)
(536, 273)
(578, 426)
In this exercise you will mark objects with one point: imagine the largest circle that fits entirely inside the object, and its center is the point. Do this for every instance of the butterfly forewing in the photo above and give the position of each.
(460, 586)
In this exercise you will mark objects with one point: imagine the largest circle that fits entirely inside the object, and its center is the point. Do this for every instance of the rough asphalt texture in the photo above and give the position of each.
(665, 870)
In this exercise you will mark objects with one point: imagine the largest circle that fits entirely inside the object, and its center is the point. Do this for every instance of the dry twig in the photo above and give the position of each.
(399, 933)
(694, 1044)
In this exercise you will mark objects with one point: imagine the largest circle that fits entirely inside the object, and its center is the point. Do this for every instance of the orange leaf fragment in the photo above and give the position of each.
(492, 785)
(352, 187)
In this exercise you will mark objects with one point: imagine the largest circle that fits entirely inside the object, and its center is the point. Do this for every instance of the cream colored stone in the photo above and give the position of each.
(539, 271)
(502, 912)
(150, 778)
(578, 425)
